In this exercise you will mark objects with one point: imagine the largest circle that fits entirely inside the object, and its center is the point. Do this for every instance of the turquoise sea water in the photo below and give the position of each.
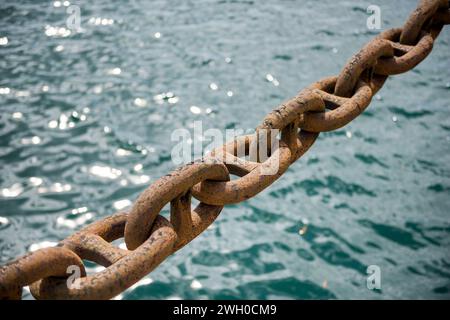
(86, 120)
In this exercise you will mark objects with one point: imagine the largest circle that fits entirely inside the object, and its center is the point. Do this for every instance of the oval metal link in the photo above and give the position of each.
(120, 275)
(420, 16)
(365, 59)
(290, 111)
(340, 116)
(286, 118)
(189, 224)
(221, 193)
(93, 242)
(408, 60)
(155, 197)
(43, 263)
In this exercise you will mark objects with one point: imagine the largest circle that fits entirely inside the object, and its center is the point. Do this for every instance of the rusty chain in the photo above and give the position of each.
(326, 105)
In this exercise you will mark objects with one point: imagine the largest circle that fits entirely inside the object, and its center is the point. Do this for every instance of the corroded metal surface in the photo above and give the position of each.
(118, 276)
(44, 263)
(420, 19)
(167, 188)
(252, 183)
(326, 105)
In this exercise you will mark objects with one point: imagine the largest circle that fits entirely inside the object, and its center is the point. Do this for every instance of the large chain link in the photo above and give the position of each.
(326, 105)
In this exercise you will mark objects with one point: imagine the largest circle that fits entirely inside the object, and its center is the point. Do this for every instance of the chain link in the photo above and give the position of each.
(326, 105)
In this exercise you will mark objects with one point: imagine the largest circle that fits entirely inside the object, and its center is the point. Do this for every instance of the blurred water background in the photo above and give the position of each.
(86, 119)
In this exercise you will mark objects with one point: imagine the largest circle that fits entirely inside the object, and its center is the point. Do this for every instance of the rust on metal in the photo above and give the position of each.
(419, 18)
(167, 188)
(120, 275)
(363, 60)
(43, 263)
(341, 115)
(326, 105)
(250, 184)
(408, 58)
